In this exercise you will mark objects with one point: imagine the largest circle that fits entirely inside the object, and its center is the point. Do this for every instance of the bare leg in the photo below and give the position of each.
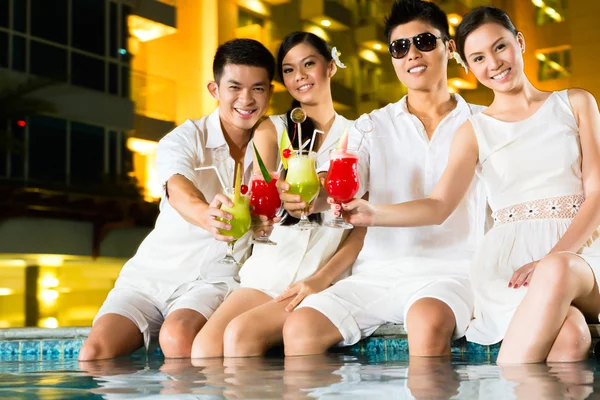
(558, 281)
(209, 341)
(178, 332)
(309, 332)
(430, 324)
(112, 336)
(254, 332)
(573, 341)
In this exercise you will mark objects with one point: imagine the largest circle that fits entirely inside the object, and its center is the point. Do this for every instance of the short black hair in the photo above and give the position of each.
(243, 52)
(475, 19)
(405, 11)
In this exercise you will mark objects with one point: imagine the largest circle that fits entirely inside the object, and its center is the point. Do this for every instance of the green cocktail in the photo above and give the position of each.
(303, 180)
(240, 224)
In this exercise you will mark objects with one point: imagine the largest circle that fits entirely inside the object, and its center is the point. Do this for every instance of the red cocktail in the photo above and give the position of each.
(342, 182)
(265, 199)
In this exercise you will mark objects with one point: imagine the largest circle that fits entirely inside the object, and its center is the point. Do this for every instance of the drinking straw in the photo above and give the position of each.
(238, 184)
(312, 142)
(217, 172)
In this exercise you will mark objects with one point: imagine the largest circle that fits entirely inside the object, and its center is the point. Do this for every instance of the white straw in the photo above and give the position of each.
(300, 137)
(312, 142)
(216, 170)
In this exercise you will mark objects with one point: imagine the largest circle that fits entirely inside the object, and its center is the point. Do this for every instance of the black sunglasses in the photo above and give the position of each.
(423, 41)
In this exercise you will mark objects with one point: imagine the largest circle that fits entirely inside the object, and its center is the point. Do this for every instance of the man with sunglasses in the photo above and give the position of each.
(416, 276)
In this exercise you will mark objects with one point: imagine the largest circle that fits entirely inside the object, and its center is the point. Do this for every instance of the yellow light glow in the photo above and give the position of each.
(553, 14)
(49, 323)
(48, 296)
(326, 22)
(377, 46)
(317, 30)
(369, 55)
(256, 6)
(454, 19)
(452, 89)
(51, 260)
(145, 30)
(538, 3)
(152, 183)
(460, 83)
(142, 146)
(13, 263)
(5, 291)
(540, 57)
(49, 281)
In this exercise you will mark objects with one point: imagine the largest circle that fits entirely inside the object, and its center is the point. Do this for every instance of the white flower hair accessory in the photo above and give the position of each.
(460, 61)
(336, 57)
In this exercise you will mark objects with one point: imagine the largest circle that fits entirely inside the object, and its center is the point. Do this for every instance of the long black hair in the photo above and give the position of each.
(308, 126)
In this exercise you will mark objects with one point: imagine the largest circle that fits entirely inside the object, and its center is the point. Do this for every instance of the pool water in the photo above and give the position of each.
(332, 376)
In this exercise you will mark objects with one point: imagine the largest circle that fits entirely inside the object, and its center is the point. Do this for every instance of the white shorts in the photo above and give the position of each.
(361, 303)
(148, 313)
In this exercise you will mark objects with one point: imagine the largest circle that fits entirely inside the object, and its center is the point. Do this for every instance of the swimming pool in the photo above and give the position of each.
(344, 376)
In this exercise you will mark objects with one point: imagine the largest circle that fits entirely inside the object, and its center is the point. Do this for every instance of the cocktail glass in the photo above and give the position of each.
(240, 224)
(264, 197)
(342, 182)
(303, 180)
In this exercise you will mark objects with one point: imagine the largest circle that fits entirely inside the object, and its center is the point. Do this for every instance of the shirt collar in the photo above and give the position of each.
(215, 137)
(401, 107)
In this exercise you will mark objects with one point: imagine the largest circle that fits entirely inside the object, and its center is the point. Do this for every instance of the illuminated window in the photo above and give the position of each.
(554, 64)
(549, 11)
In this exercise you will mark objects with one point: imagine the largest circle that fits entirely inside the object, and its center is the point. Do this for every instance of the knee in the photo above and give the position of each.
(208, 343)
(430, 318)
(300, 333)
(175, 339)
(92, 350)
(573, 341)
(553, 274)
(242, 338)
(430, 324)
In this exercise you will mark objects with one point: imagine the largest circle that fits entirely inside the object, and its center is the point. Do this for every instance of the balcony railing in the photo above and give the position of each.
(154, 96)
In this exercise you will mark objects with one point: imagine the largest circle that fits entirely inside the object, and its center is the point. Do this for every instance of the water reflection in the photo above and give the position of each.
(317, 377)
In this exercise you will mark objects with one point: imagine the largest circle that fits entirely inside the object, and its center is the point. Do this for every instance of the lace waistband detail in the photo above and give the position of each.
(554, 207)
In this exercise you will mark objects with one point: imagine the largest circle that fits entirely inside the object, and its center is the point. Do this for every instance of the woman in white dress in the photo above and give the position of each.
(534, 276)
(251, 320)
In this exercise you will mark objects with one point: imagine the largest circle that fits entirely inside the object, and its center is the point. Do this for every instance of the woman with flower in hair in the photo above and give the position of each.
(538, 153)
(275, 279)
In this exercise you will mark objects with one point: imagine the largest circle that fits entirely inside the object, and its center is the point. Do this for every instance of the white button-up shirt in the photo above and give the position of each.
(177, 252)
(399, 163)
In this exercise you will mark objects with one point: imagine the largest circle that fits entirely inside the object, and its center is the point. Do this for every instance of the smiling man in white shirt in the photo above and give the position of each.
(173, 285)
(416, 276)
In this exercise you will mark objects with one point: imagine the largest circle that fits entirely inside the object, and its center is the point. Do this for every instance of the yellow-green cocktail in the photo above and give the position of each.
(240, 224)
(303, 180)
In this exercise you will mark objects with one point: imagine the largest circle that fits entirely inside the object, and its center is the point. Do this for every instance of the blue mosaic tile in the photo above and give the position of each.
(52, 347)
(9, 347)
(456, 347)
(397, 346)
(494, 349)
(72, 346)
(375, 346)
(474, 348)
(31, 347)
(356, 349)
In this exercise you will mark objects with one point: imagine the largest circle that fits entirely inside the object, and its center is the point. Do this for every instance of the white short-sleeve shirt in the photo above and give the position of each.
(177, 252)
(398, 163)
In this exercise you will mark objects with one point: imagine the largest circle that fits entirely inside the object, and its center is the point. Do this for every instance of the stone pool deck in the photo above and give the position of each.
(387, 341)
